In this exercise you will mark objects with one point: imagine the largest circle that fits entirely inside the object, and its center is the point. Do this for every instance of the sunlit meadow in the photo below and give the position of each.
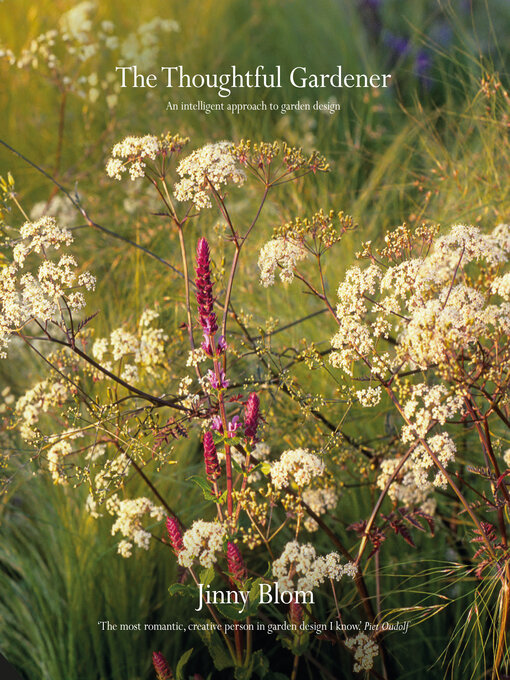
(255, 367)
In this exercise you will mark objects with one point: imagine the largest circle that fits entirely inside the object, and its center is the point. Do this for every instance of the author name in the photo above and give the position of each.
(269, 593)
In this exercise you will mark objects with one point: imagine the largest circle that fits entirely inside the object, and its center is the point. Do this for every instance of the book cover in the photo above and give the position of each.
(254, 296)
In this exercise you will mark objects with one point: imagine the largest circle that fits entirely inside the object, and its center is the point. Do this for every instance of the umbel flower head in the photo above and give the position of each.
(174, 533)
(161, 666)
(212, 466)
(204, 292)
(236, 566)
(207, 169)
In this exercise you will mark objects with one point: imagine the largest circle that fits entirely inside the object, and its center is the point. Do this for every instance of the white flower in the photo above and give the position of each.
(132, 154)
(282, 253)
(128, 523)
(370, 396)
(212, 165)
(201, 542)
(319, 500)
(365, 650)
(301, 561)
(298, 465)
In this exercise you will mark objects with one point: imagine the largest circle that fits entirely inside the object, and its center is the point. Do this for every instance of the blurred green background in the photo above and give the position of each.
(434, 147)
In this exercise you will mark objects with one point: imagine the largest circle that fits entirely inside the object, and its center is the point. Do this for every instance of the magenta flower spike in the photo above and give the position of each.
(235, 562)
(174, 533)
(251, 416)
(161, 666)
(204, 292)
(212, 466)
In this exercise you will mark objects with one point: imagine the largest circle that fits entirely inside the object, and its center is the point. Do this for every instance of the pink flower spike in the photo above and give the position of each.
(174, 533)
(204, 290)
(212, 466)
(161, 666)
(235, 562)
(251, 416)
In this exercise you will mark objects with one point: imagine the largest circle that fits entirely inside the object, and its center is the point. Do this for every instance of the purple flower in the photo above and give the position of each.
(212, 466)
(422, 67)
(216, 384)
(222, 344)
(216, 424)
(398, 43)
(233, 426)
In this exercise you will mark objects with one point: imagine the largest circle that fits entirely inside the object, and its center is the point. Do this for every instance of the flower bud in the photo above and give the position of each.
(161, 666)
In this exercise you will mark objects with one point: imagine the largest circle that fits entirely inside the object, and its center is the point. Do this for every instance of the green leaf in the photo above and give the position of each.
(182, 589)
(298, 643)
(231, 610)
(265, 467)
(179, 671)
(205, 486)
(212, 640)
(206, 576)
(237, 467)
(258, 664)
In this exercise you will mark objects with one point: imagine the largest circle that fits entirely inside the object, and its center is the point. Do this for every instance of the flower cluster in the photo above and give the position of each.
(210, 167)
(61, 53)
(51, 292)
(317, 233)
(427, 405)
(319, 500)
(212, 465)
(38, 400)
(251, 416)
(311, 570)
(201, 542)
(111, 474)
(260, 156)
(431, 303)
(405, 490)
(175, 535)
(280, 253)
(57, 452)
(298, 466)
(364, 649)
(133, 153)
(132, 352)
(128, 523)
